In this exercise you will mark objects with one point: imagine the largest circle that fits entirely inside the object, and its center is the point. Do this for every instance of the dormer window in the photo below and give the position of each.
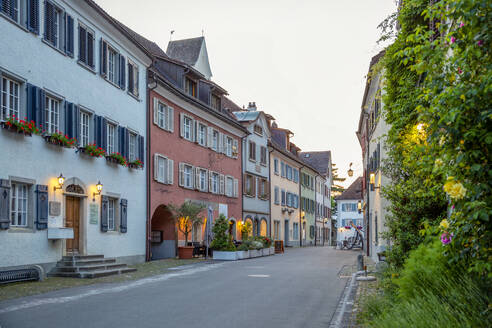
(258, 130)
(190, 87)
(215, 103)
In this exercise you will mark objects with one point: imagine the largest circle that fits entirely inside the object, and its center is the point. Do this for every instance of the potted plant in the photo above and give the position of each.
(59, 139)
(267, 242)
(92, 150)
(222, 245)
(256, 247)
(136, 164)
(187, 215)
(243, 251)
(116, 158)
(246, 229)
(20, 126)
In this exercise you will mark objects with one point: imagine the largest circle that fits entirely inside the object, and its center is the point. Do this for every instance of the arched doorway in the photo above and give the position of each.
(250, 222)
(263, 227)
(163, 234)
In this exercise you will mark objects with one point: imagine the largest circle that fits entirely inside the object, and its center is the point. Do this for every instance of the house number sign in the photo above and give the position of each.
(93, 213)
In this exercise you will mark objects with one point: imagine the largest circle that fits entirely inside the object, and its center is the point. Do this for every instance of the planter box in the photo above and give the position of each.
(185, 252)
(225, 256)
(112, 160)
(241, 255)
(14, 129)
(135, 166)
(53, 141)
(272, 250)
(255, 253)
(265, 251)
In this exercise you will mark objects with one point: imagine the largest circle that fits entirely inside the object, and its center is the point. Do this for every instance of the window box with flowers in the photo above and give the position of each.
(136, 164)
(116, 158)
(24, 127)
(92, 150)
(59, 139)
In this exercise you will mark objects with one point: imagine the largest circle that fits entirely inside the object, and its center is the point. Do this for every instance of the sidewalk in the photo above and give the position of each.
(28, 288)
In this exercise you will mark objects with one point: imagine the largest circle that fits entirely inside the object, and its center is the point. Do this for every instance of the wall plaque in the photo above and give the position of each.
(55, 208)
(93, 213)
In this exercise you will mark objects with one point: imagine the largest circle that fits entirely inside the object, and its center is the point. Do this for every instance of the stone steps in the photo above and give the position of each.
(88, 266)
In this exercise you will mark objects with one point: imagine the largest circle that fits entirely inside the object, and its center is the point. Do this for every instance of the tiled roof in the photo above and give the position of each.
(354, 191)
(151, 46)
(186, 50)
(320, 160)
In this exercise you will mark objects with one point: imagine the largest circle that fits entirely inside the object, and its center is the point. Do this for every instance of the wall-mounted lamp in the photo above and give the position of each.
(359, 206)
(99, 188)
(61, 180)
(372, 181)
(303, 214)
(350, 172)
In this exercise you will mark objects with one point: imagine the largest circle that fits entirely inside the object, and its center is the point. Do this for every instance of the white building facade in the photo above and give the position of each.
(69, 69)
(349, 212)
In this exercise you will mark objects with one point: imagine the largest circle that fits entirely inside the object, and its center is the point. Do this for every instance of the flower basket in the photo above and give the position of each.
(20, 126)
(348, 227)
(136, 164)
(116, 158)
(92, 150)
(58, 139)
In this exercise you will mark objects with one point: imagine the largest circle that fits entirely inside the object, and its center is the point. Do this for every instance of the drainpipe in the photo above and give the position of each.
(316, 201)
(242, 175)
(300, 212)
(270, 192)
(149, 177)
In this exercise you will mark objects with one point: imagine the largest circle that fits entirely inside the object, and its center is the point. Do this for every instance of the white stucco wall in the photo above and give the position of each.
(343, 233)
(25, 56)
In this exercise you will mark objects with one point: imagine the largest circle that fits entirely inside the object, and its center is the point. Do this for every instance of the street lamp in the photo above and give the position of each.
(350, 172)
(61, 180)
(99, 188)
(359, 206)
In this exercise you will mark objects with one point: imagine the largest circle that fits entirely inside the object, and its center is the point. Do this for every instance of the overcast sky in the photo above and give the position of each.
(304, 62)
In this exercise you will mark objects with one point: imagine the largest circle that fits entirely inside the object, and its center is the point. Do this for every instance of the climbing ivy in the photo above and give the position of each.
(438, 83)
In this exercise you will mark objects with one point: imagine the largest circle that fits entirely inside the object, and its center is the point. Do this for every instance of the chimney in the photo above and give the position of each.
(252, 106)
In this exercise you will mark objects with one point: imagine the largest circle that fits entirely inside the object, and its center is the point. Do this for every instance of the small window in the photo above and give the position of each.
(215, 103)
(249, 185)
(229, 146)
(188, 176)
(111, 214)
(276, 196)
(84, 128)
(132, 78)
(229, 186)
(111, 142)
(202, 134)
(52, 114)
(190, 87)
(275, 166)
(163, 169)
(258, 130)
(19, 204)
(164, 117)
(113, 65)
(86, 46)
(11, 8)
(54, 27)
(252, 151)
(215, 183)
(263, 189)
(263, 156)
(9, 99)
(203, 183)
(188, 128)
(283, 197)
(132, 154)
(215, 140)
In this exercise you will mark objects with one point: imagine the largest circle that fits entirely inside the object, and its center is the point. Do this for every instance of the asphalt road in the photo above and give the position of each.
(300, 288)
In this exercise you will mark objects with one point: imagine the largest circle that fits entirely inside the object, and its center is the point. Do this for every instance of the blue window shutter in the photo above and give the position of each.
(123, 215)
(69, 37)
(82, 44)
(130, 78)
(76, 122)
(104, 213)
(141, 149)
(104, 53)
(4, 202)
(127, 143)
(97, 131)
(90, 50)
(32, 102)
(41, 207)
(122, 71)
(121, 140)
(68, 119)
(104, 133)
(40, 113)
(32, 21)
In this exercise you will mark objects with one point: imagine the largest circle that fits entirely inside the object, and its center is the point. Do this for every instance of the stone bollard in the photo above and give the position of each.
(360, 262)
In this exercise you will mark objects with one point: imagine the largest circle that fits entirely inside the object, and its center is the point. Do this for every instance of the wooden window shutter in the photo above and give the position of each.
(210, 136)
(170, 119)
(170, 172)
(104, 213)
(33, 16)
(123, 215)
(103, 46)
(122, 72)
(236, 188)
(245, 179)
(253, 186)
(41, 207)
(141, 148)
(181, 125)
(156, 111)
(221, 184)
(4, 204)
(156, 167)
(69, 35)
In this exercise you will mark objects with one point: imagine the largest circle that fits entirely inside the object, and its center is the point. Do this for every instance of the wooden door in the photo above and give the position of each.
(72, 214)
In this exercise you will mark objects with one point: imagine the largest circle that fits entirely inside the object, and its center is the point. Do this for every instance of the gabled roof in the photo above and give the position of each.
(354, 191)
(186, 50)
(320, 160)
(151, 46)
(272, 143)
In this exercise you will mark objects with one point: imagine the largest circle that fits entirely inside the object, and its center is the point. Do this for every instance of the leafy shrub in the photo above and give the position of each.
(222, 240)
